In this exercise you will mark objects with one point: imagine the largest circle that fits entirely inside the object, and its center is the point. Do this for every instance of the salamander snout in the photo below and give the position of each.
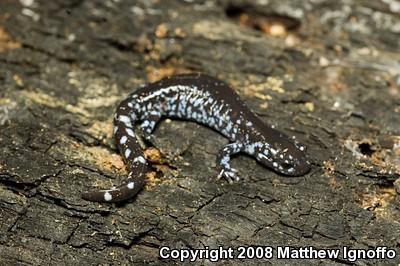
(289, 161)
(292, 162)
(297, 167)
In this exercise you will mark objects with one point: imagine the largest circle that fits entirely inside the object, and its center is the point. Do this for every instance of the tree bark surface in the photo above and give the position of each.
(327, 72)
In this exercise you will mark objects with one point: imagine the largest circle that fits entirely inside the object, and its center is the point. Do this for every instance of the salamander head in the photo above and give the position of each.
(286, 158)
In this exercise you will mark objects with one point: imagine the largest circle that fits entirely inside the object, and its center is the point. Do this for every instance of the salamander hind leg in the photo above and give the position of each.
(149, 124)
(223, 160)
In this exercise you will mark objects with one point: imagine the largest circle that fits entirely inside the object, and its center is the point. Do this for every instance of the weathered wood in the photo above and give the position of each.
(325, 71)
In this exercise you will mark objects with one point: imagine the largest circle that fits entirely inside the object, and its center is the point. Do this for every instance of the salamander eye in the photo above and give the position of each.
(286, 166)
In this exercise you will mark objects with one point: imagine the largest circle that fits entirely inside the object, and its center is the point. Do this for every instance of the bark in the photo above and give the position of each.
(325, 71)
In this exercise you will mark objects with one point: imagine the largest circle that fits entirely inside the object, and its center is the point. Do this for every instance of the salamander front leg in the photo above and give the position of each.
(223, 159)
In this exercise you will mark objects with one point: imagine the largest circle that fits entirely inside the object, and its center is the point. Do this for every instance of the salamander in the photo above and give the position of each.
(208, 101)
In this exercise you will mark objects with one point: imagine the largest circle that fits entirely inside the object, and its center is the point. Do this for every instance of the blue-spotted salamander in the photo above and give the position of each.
(206, 100)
